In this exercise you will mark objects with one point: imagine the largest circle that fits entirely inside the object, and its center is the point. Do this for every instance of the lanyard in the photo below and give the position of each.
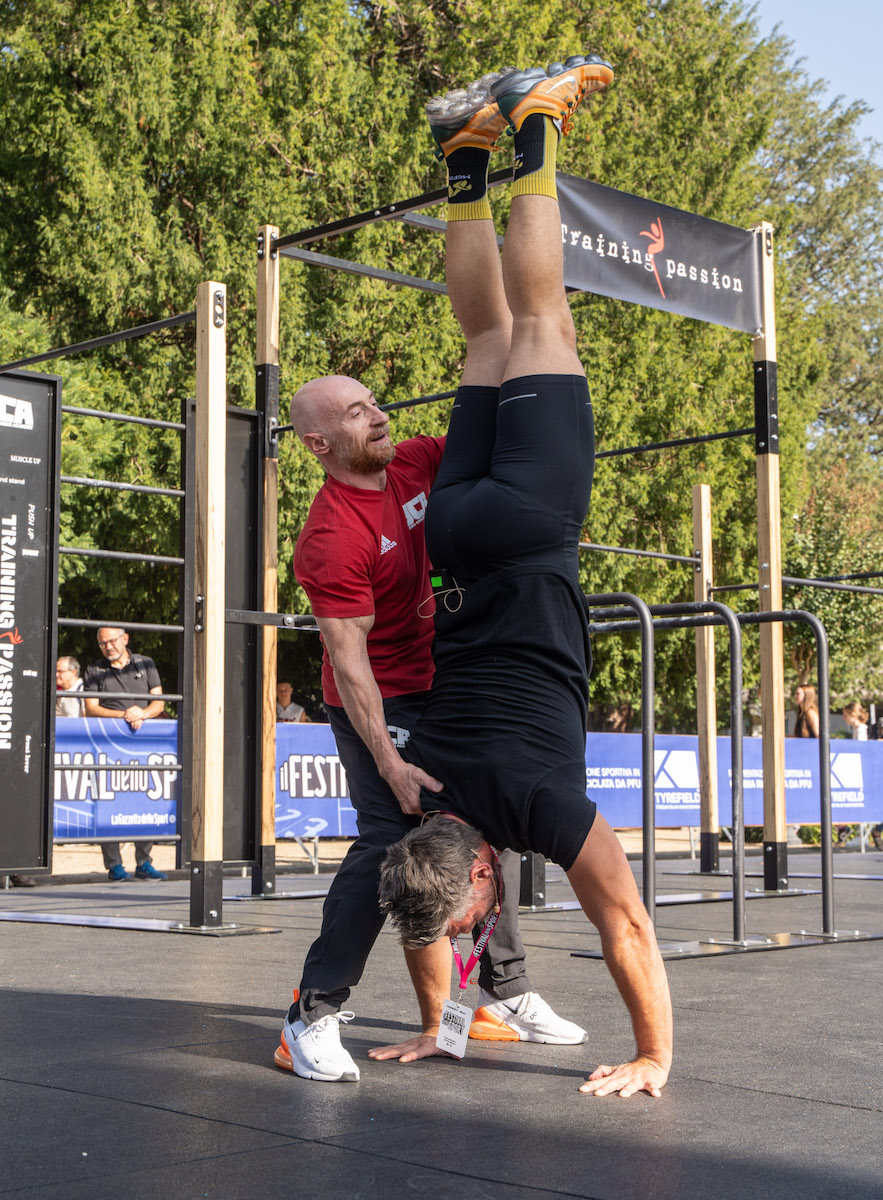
(479, 947)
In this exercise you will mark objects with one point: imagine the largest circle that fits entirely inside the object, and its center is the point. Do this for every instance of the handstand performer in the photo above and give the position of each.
(504, 725)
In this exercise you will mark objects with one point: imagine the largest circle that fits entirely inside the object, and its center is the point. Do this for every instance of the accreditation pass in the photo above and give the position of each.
(453, 1029)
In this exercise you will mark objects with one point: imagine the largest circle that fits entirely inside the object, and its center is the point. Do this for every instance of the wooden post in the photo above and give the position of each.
(769, 552)
(706, 698)
(263, 879)
(207, 816)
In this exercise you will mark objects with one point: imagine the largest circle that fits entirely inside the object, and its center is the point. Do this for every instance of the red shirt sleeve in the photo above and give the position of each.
(338, 585)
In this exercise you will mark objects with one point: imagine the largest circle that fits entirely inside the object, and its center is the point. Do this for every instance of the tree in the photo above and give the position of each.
(146, 141)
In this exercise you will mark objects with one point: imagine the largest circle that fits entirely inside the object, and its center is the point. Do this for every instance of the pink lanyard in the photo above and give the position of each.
(479, 947)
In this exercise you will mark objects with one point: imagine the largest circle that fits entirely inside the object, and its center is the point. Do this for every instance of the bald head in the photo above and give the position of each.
(314, 405)
(337, 418)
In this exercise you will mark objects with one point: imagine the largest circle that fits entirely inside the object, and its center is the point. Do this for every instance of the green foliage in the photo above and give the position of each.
(145, 141)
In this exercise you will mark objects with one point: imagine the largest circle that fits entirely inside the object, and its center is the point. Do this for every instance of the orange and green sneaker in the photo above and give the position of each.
(555, 92)
(468, 116)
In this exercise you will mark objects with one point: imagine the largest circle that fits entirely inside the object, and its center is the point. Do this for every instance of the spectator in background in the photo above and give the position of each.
(121, 672)
(857, 718)
(67, 679)
(621, 719)
(286, 708)
(807, 723)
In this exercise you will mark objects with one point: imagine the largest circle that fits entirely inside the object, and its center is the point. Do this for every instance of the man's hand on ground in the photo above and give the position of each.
(422, 1046)
(406, 782)
(641, 1075)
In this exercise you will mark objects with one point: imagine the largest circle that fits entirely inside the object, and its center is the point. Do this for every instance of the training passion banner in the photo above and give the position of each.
(130, 794)
(630, 248)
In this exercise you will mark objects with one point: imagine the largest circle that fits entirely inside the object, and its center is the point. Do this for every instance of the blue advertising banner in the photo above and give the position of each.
(128, 794)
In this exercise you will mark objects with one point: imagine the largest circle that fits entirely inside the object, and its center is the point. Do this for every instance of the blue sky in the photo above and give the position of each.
(840, 41)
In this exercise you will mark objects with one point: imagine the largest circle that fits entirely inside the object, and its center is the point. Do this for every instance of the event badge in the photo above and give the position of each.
(453, 1029)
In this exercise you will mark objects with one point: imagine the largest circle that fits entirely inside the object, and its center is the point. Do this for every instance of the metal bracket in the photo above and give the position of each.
(218, 310)
(199, 615)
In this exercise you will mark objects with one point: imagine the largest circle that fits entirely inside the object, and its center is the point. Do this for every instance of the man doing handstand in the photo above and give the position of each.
(504, 724)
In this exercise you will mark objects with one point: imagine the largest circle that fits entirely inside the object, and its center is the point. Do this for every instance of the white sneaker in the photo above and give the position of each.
(315, 1050)
(525, 1018)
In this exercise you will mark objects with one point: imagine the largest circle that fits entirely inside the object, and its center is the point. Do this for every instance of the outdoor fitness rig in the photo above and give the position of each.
(207, 430)
(749, 307)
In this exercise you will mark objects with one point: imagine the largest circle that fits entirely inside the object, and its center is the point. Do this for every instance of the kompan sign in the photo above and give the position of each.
(620, 245)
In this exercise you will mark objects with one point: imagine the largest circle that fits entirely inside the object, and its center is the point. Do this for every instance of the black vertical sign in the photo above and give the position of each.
(30, 406)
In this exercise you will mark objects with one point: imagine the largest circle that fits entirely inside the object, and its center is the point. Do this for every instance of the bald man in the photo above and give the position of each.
(362, 560)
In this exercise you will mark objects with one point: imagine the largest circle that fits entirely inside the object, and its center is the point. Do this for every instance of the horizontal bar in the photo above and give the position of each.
(346, 224)
(163, 559)
(140, 626)
(241, 616)
(431, 223)
(135, 766)
(791, 581)
(640, 553)
(852, 575)
(685, 441)
(109, 416)
(83, 695)
(107, 339)
(419, 400)
(352, 268)
(121, 487)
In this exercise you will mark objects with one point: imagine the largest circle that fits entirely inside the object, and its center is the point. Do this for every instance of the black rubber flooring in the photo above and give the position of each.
(140, 1065)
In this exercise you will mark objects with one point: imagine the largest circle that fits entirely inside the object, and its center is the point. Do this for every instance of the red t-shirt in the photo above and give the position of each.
(362, 552)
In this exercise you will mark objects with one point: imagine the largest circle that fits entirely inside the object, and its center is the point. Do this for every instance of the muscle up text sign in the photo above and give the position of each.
(29, 424)
(623, 246)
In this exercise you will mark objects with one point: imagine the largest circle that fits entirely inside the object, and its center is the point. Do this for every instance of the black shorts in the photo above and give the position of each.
(504, 726)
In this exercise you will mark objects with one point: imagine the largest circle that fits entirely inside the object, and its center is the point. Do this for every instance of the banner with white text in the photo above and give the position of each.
(127, 792)
(630, 248)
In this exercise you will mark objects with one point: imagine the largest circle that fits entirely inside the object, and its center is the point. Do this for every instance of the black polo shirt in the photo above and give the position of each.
(138, 675)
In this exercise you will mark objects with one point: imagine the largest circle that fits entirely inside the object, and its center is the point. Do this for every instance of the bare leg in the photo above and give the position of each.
(543, 337)
(605, 887)
(430, 969)
(475, 286)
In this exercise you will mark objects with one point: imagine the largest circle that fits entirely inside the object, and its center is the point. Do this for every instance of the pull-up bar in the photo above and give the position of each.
(107, 339)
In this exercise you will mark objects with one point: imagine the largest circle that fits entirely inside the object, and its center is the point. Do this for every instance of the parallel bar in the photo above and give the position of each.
(81, 481)
(161, 559)
(648, 733)
(154, 423)
(686, 441)
(141, 626)
(107, 339)
(346, 224)
(351, 268)
(684, 558)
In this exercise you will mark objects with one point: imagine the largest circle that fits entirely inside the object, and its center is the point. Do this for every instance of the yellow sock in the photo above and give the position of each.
(536, 149)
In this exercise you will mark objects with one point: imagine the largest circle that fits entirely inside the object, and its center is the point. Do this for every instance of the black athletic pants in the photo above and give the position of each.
(351, 917)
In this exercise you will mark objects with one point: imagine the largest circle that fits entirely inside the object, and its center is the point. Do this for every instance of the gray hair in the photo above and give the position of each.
(424, 880)
(69, 663)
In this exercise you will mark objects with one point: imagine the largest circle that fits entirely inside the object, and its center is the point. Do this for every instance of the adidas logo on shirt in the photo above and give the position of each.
(386, 543)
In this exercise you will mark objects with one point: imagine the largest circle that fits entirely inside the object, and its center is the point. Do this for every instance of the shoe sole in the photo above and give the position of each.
(283, 1059)
(588, 78)
(486, 1027)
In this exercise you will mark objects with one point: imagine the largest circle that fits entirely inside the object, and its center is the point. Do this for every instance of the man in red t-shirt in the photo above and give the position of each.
(362, 560)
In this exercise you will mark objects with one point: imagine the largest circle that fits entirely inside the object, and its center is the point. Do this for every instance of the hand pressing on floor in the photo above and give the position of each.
(641, 1075)
(422, 1046)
